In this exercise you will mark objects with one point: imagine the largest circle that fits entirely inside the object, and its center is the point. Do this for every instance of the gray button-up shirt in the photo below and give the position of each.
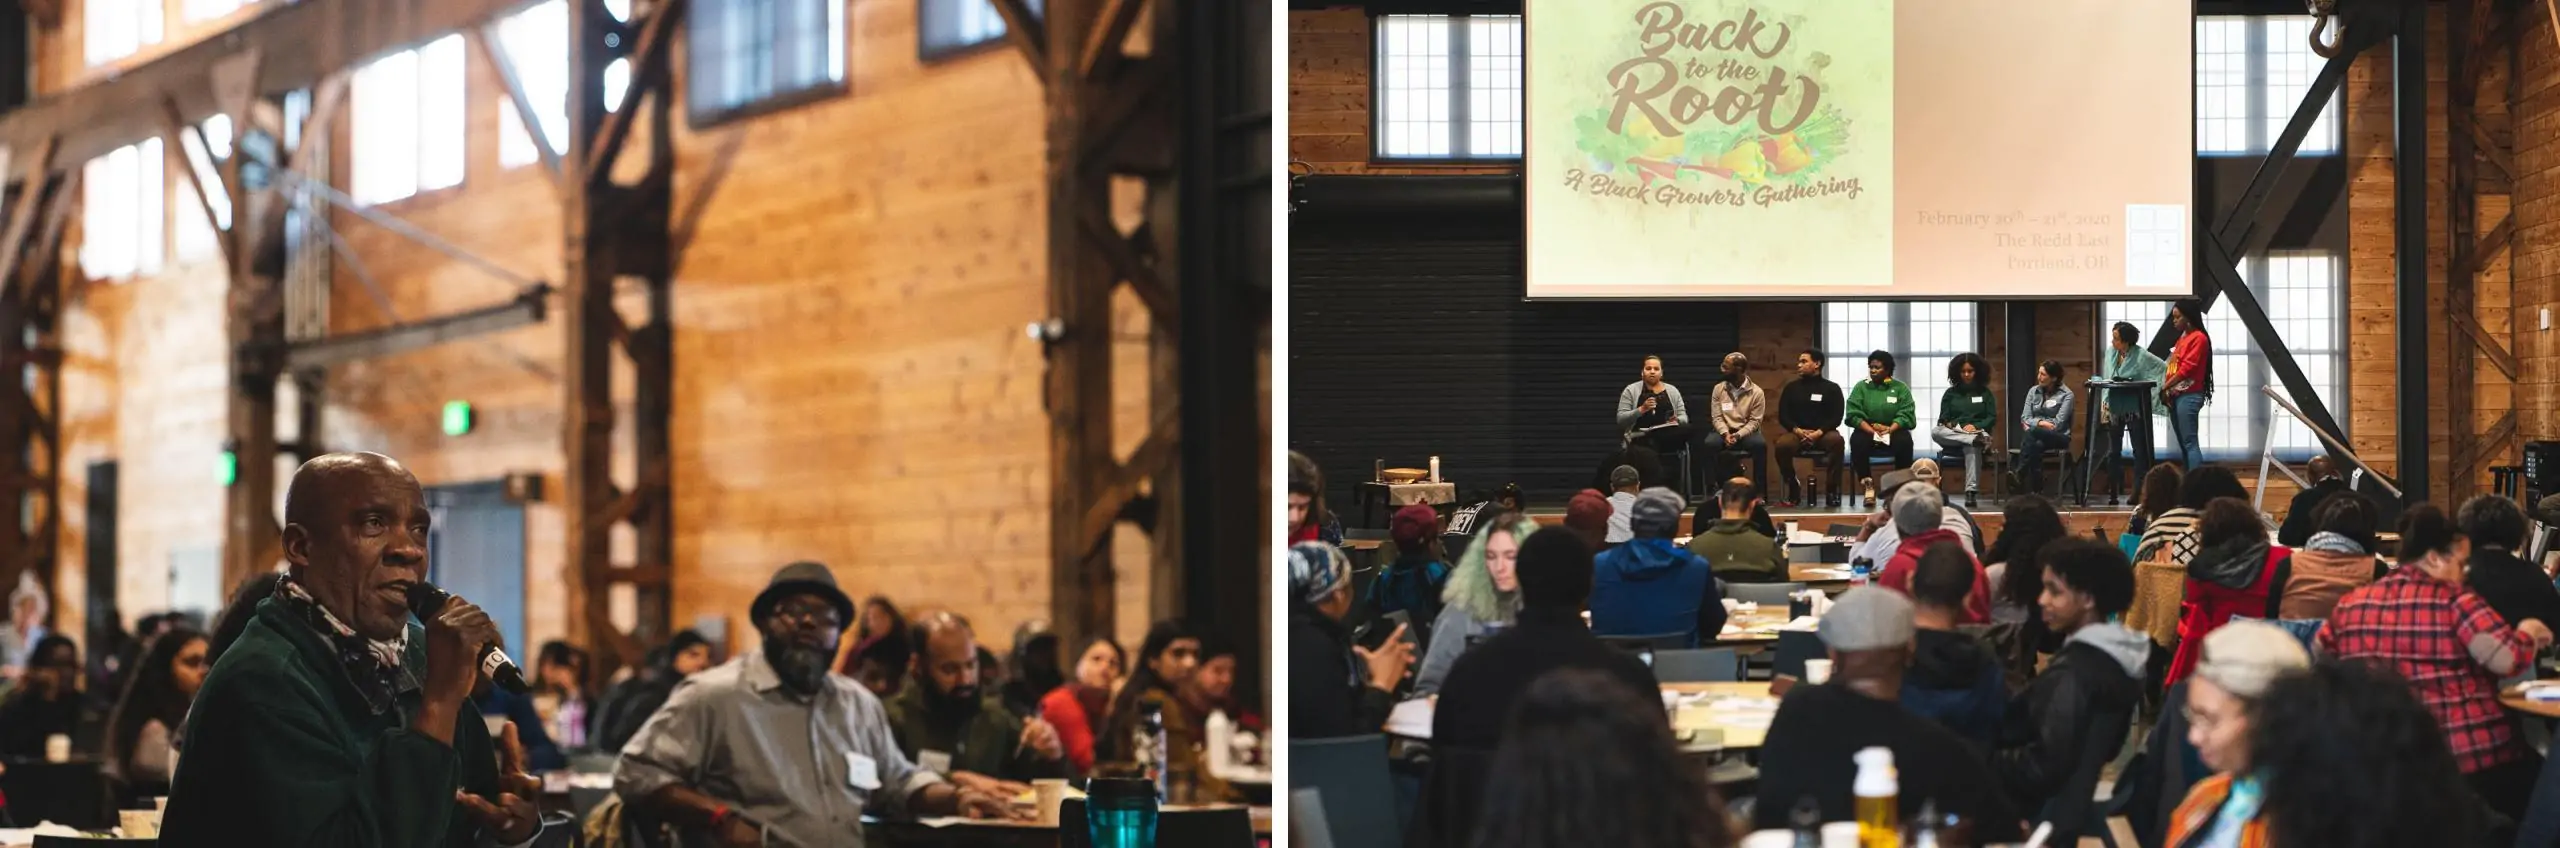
(736, 734)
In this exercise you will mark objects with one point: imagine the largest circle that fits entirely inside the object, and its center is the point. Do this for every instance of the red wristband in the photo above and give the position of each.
(721, 816)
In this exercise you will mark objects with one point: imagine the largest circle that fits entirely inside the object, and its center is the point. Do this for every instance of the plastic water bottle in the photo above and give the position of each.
(1151, 749)
(1860, 571)
(1121, 812)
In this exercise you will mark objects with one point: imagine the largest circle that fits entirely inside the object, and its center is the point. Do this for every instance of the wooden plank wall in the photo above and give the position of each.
(853, 384)
(2536, 252)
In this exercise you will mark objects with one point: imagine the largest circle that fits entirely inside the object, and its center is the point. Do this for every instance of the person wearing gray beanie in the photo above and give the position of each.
(1651, 587)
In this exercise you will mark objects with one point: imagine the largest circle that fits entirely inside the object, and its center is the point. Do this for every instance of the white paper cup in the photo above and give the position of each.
(1817, 672)
(57, 748)
(140, 824)
(1047, 796)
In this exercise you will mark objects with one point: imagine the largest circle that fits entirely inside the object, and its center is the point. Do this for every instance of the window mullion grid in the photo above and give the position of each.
(1460, 86)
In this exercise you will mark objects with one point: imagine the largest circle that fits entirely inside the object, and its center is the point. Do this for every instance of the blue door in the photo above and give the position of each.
(476, 551)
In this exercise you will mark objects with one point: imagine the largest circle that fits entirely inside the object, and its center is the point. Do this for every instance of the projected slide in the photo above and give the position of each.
(1859, 148)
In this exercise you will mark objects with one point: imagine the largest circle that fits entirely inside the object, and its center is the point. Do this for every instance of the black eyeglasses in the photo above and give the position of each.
(820, 614)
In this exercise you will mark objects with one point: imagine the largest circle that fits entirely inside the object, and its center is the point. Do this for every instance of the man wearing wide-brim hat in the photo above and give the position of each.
(773, 748)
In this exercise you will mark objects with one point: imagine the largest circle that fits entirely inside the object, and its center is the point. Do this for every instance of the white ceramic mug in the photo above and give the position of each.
(57, 748)
(1817, 672)
(1047, 796)
(140, 824)
(1791, 531)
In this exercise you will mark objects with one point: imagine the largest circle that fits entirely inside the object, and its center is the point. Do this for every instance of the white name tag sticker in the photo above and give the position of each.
(2052, 402)
(938, 762)
(860, 771)
(1977, 398)
(1892, 399)
(1728, 406)
(1817, 398)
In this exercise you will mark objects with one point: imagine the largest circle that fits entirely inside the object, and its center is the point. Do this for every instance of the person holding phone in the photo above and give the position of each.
(1336, 687)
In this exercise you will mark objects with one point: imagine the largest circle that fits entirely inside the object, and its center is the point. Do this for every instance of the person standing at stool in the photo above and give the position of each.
(2129, 411)
(2190, 380)
(1810, 410)
(1740, 406)
(1648, 404)
(2044, 423)
(1880, 409)
(1967, 414)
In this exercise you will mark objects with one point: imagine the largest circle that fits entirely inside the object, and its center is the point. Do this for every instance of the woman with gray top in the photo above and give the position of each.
(1483, 596)
(1651, 412)
(2044, 424)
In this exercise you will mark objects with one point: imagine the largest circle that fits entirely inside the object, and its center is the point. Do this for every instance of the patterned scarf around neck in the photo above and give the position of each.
(372, 666)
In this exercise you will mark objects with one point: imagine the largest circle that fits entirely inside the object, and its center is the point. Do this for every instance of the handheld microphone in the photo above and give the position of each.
(426, 600)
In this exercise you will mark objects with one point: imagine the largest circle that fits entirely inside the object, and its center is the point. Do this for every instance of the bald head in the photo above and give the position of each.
(356, 535)
(949, 661)
(2323, 468)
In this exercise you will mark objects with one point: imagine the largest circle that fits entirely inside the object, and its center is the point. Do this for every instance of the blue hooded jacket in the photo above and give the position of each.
(1956, 681)
(1649, 587)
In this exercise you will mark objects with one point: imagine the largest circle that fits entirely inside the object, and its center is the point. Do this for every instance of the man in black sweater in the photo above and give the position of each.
(2301, 519)
(1809, 415)
(1474, 702)
(2518, 590)
(1807, 755)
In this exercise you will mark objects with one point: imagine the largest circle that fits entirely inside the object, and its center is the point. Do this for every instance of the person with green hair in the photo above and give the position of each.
(1482, 596)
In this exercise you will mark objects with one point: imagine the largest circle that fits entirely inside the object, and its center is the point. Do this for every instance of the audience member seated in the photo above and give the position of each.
(2175, 531)
(2337, 558)
(1309, 519)
(2240, 661)
(882, 665)
(47, 701)
(1336, 688)
(1483, 595)
(631, 702)
(1916, 510)
(2452, 648)
(1466, 727)
(542, 753)
(1547, 792)
(1078, 708)
(1952, 679)
(1465, 521)
(2351, 759)
(18, 641)
(1213, 687)
(1956, 517)
(2075, 715)
(1623, 486)
(749, 753)
(881, 622)
(1412, 583)
(560, 694)
(1819, 729)
(1166, 661)
(1650, 587)
(1877, 537)
(2027, 524)
(2232, 574)
(1733, 546)
(2301, 517)
(2158, 495)
(2518, 590)
(1034, 666)
(949, 726)
(149, 713)
(1587, 515)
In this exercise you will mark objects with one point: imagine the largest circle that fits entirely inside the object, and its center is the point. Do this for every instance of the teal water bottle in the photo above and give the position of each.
(1121, 812)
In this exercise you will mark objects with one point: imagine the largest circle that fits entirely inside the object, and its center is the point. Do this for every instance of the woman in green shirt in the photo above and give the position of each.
(1880, 410)
(1967, 415)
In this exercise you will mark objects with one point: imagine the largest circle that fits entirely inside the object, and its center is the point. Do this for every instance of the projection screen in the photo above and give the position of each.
(1871, 149)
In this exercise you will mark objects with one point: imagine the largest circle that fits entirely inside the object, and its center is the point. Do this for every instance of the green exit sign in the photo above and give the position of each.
(457, 417)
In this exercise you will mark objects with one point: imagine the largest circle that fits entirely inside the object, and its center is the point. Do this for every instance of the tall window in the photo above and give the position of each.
(195, 235)
(537, 43)
(115, 29)
(2301, 291)
(121, 210)
(407, 122)
(2250, 74)
(205, 10)
(944, 27)
(1923, 338)
(1446, 87)
(744, 54)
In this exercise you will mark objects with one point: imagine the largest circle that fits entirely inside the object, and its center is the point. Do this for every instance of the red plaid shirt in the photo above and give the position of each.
(2421, 627)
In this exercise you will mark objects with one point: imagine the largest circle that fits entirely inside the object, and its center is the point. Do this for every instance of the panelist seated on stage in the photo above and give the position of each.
(1651, 587)
(1967, 415)
(1734, 546)
(1652, 411)
(1881, 410)
(1739, 407)
(2044, 423)
(1810, 410)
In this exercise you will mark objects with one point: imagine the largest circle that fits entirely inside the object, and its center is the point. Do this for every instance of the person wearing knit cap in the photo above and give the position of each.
(1336, 688)
(1588, 516)
(1412, 583)
(2241, 660)
(1555, 572)
(1808, 754)
(1483, 595)
(1651, 587)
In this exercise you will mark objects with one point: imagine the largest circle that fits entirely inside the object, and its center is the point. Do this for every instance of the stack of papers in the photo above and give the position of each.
(2541, 690)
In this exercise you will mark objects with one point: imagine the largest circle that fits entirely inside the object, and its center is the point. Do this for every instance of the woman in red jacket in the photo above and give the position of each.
(1078, 708)
(2190, 380)
(2230, 576)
